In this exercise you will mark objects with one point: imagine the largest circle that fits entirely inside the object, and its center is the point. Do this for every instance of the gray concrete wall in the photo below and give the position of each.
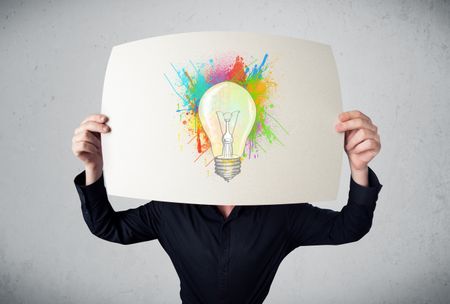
(394, 64)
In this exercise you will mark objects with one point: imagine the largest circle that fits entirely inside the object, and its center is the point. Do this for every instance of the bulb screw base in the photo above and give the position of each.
(227, 168)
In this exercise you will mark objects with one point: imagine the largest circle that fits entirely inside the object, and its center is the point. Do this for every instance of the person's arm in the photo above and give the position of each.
(123, 227)
(311, 225)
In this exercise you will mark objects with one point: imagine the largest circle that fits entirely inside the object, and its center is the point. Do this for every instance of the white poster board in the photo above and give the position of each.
(222, 118)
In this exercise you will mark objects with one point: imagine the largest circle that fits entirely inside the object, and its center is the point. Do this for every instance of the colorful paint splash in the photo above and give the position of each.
(256, 78)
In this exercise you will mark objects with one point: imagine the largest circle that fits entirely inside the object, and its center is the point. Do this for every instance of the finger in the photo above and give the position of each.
(84, 146)
(344, 116)
(367, 155)
(93, 127)
(96, 117)
(359, 136)
(368, 144)
(349, 135)
(89, 137)
(355, 123)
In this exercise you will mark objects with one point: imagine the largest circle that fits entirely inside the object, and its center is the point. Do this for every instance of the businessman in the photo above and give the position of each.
(230, 254)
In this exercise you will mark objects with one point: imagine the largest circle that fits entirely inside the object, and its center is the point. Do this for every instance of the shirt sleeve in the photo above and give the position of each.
(124, 227)
(311, 225)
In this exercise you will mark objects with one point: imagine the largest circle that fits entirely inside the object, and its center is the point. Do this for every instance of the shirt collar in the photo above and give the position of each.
(215, 213)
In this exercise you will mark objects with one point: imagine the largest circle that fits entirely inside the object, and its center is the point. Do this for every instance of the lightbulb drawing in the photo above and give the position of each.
(227, 113)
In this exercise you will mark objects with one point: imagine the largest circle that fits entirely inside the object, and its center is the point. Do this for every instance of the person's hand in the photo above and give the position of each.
(362, 142)
(86, 145)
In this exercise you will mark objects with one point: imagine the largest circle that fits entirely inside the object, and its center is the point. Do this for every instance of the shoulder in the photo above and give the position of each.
(166, 207)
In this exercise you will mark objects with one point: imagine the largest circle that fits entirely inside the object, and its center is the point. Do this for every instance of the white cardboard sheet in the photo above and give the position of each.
(295, 155)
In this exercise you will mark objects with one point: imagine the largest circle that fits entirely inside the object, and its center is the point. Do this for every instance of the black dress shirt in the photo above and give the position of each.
(232, 260)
